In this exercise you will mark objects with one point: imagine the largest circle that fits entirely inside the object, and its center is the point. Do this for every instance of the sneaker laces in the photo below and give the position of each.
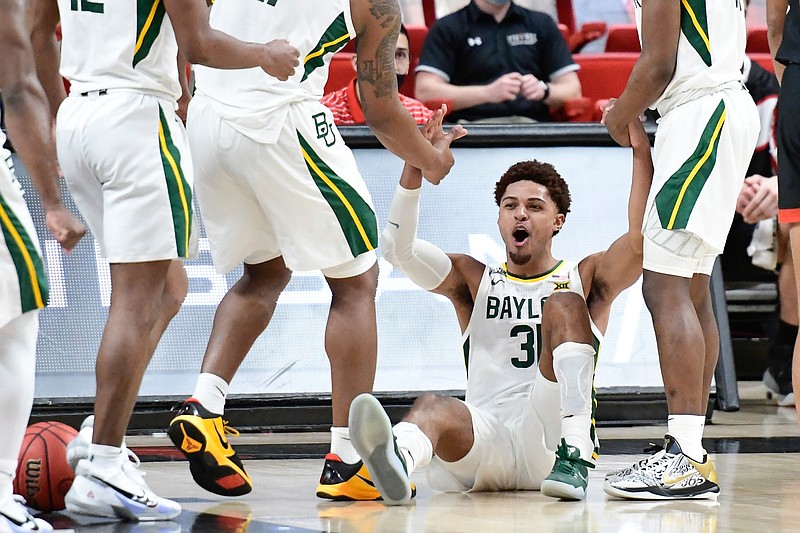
(233, 432)
(569, 463)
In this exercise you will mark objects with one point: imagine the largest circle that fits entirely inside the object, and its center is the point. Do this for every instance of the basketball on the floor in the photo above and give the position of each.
(43, 474)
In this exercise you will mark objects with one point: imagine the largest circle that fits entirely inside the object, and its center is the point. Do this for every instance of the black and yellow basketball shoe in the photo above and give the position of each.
(201, 436)
(342, 481)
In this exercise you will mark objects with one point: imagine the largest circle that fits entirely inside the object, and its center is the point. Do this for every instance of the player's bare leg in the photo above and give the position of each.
(137, 291)
(175, 290)
(198, 429)
(679, 336)
(243, 315)
(107, 477)
(351, 339)
(700, 288)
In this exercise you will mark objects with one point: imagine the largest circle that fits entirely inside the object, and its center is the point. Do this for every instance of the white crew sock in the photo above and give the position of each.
(211, 391)
(415, 446)
(573, 364)
(106, 457)
(688, 431)
(341, 445)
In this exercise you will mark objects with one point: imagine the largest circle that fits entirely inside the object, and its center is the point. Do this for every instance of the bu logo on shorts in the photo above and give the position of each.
(324, 130)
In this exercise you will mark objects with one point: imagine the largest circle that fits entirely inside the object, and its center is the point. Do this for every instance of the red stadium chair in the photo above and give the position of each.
(623, 38)
(341, 72)
(757, 42)
(604, 75)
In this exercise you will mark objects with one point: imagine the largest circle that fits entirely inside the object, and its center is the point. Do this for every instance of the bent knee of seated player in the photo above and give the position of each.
(565, 318)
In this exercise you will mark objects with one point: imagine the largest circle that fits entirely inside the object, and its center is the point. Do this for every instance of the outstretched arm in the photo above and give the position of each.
(618, 267)
(424, 263)
(28, 122)
(661, 23)
(377, 24)
(203, 45)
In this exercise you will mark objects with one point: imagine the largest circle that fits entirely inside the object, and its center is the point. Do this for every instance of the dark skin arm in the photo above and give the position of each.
(461, 284)
(776, 16)
(42, 19)
(661, 23)
(203, 45)
(606, 274)
(377, 24)
(28, 121)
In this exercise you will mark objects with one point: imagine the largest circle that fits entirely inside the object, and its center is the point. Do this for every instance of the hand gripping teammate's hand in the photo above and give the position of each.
(433, 131)
(280, 59)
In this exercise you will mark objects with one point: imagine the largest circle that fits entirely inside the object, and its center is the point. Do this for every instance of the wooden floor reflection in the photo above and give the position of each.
(757, 457)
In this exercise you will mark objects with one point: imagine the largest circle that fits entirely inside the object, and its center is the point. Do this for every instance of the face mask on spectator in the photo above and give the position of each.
(400, 79)
(498, 2)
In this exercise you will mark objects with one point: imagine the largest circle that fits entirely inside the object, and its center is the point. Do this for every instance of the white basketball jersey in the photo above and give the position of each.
(503, 341)
(119, 44)
(710, 48)
(252, 101)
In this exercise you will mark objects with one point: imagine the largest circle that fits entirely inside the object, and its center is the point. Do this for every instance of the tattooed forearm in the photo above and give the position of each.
(386, 11)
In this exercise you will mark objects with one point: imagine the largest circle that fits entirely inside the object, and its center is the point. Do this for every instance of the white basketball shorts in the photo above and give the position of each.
(302, 198)
(702, 151)
(126, 160)
(509, 451)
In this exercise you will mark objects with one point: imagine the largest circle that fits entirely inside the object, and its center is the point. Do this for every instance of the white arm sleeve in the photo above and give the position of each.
(423, 263)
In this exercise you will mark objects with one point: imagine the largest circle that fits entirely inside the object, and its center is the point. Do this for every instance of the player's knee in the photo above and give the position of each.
(563, 307)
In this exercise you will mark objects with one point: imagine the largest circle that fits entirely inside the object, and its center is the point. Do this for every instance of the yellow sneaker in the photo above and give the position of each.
(341, 481)
(201, 436)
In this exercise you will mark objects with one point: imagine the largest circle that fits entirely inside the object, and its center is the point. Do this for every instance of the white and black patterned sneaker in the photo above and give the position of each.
(665, 475)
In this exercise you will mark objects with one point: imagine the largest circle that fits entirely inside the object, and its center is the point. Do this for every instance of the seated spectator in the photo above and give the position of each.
(498, 61)
(752, 251)
(345, 104)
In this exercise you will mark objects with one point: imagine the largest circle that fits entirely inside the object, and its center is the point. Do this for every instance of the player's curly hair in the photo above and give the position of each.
(538, 172)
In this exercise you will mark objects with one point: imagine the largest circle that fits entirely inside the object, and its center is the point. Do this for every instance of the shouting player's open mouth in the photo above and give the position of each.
(520, 235)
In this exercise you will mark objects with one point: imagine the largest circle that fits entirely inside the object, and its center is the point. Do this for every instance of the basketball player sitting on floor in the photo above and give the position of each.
(530, 364)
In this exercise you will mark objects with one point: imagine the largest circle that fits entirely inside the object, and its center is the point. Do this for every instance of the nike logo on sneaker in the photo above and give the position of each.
(222, 439)
(142, 498)
(396, 225)
(365, 480)
(674, 480)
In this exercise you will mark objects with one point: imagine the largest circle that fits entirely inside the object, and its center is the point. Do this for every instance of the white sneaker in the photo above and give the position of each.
(372, 437)
(14, 518)
(665, 475)
(120, 493)
(78, 448)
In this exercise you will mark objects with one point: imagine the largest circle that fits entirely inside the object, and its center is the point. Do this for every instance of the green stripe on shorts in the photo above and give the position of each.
(180, 194)
(356, 218)
(677, 197)
(149, 16)
(33, 289)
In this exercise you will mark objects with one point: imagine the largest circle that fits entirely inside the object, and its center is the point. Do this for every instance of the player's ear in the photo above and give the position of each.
(558, 222)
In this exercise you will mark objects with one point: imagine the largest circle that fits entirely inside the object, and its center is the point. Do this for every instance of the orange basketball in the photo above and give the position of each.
(43, 475)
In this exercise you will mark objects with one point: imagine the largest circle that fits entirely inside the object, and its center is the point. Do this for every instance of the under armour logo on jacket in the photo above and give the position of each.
(474, 41)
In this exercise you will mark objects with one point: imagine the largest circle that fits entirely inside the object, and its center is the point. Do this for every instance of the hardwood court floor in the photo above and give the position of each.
(760, 492)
